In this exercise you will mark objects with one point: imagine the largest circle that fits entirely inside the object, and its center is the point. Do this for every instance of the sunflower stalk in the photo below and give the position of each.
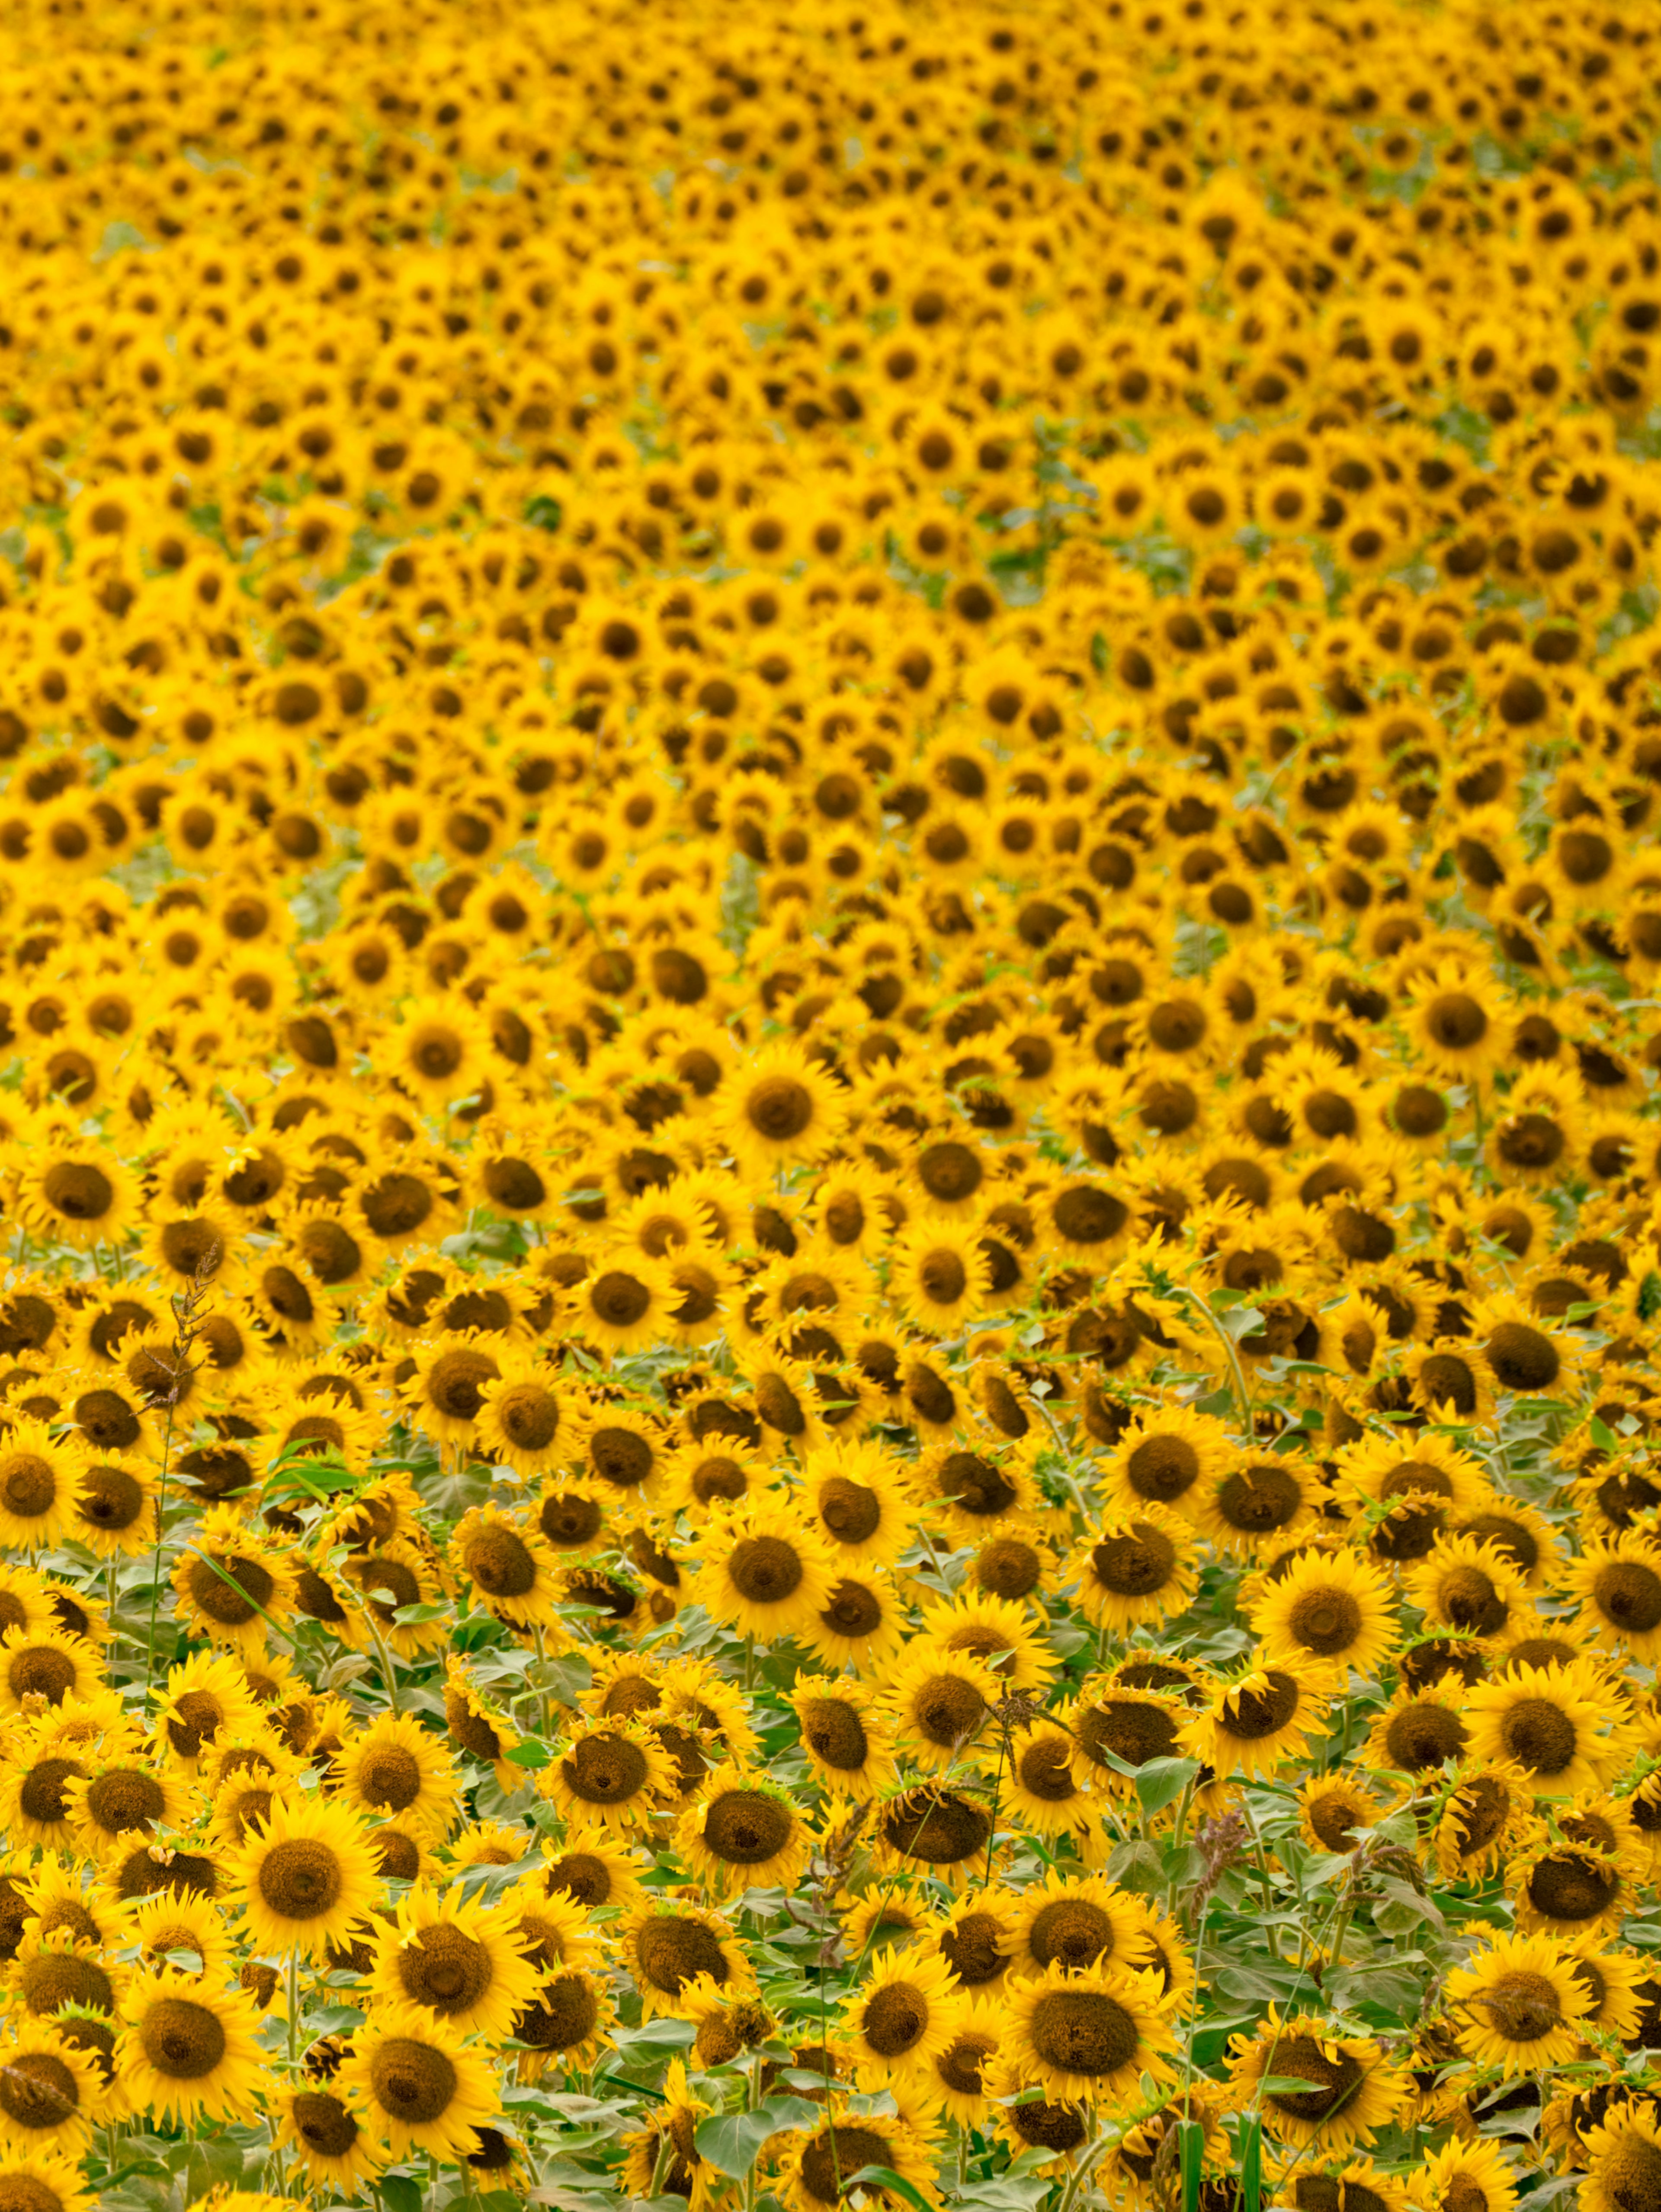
(188, 1317)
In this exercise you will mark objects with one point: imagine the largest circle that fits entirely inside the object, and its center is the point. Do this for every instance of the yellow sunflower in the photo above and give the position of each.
(1091, 2032)
(306, 1879)
(1354, 2089)
(744, 1833)
(187, 2052)
(763, 1570)
(1138, 1567)
(1330, 1614)
(396, 1767)
(1516, 2004)
(611, 1771)
(414, 2084)
(456, 1960)
(1549, 1720)
(665, 1943)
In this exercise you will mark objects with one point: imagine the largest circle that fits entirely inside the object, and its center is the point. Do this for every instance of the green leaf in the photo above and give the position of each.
(1190, 2152)
(1161, 1781)
(399, 2194)
(1251, 2162)
(532, 1753)
(730, 2141)
(891, 2183)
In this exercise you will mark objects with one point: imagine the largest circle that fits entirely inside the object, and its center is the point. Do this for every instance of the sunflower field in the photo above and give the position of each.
(830, 1106)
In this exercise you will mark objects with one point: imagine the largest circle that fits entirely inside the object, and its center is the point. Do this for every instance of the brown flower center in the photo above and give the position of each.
(1084, 2032)
(300, 1879)
(606, 1770)
(181, 2040)
(413, 2080)
(1074, 1931)
(673, 1948)
(1160, 1468)
(444, 1970)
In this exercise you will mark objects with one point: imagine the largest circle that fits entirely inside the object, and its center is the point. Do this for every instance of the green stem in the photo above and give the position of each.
(156, 1561)
(389, 1679)
(1241, 1390)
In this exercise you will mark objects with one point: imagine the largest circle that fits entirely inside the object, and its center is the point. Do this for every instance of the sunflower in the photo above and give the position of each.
(1332, 1809)
(1614, 1980)
(1623, 2161)
(966, 1488)
(77, 1194)
(744, 1833)
(665, 1943)
(858, 1503)
(779, 1112)
(118, 1799)
(41, 2178)
(1458, 1022)
(906, 2011)
(186, 2052)
(458, 1960)
(398, 1574)
(1549, 1720)
(1260, 1501)
(1467, 2177)
(613, 1771)
(816, 2174)
(1584, 1876)
(41, 1475)
(1331, 1614)
(306, 1879)
(928, 1828)
(415, 2086)
(439, 1051)
(45, 1663)
(663, 2158)
(50, 2091)
(1521, 1357)
(34, 1808)
(763, 1570)
(1163, 1456)
(1072, 1922)
(332, 2145)
(1618, 1581)
(1516, 2004)
(187, 1932)
(530, 1418)
(445, 1393)
(229, 1583)
(395, 1766)
(1254, 1721)
(480, 1728)
(512, 1570)
(1419, 1490)
(1051, 2132)
(1089, 2032)
(1487, 1812)
(566, 2025)
(848, 1739)
(112, 1509)
(1131, 1725)
(592, 1868)
(1137, 1567)
(1044, 1785)
(1353, 2089)
(1465, 1586)
(939, 1277)
(939, 1702)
